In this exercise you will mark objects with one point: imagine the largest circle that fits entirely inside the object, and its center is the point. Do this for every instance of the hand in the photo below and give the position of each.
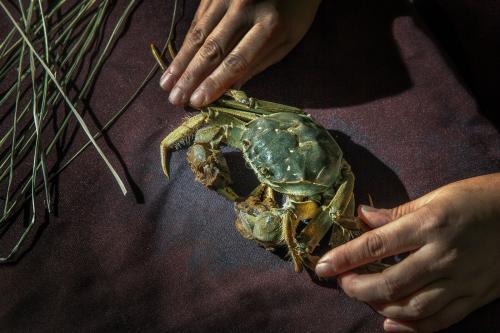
(453, 234)
(231, 41)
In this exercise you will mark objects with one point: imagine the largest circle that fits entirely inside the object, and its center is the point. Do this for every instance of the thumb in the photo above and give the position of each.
(376, 218)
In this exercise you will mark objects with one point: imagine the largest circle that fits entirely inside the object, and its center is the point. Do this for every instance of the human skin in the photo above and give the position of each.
(230, 41)
(453, 236)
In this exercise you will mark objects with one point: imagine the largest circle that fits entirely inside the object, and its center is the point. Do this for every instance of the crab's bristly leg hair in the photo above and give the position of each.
(289, 227)
(178, 136)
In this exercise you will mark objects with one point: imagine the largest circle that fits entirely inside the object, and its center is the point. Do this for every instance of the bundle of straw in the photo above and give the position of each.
(40, 59)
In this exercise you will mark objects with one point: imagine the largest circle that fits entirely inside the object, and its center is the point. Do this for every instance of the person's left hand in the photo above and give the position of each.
(453, 234)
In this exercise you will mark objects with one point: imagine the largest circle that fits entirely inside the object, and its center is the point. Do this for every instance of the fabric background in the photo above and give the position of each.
(167, 257)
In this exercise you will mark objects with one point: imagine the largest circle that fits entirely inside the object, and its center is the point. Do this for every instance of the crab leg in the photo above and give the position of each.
(269, 198)
(289, 226)
(229, 194)
(178, 136)
(207, 161)
(240, 101)
(341, 203)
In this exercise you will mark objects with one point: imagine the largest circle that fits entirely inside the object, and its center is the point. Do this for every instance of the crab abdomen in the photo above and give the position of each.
(292, 154)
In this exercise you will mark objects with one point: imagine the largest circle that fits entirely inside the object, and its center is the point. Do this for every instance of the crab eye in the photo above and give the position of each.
(246, 143)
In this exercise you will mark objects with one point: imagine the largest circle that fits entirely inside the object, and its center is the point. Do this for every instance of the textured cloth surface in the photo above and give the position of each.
(469, 31)
(167, 256)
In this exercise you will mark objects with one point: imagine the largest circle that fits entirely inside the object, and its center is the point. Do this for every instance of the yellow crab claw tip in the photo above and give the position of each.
(165, 171)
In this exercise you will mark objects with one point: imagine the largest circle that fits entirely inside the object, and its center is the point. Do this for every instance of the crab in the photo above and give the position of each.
(291, 155)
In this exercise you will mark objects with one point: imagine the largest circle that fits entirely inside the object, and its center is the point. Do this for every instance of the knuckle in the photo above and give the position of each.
(271, 19)
(448, 261)
(211, 50)
(269, 23)
(242, 3)
(433, 220)
(194, 23)
(186, 78)
(374, 245)
(197, 37)
(417, 308)
(399, 211)
(390, 289)
(236, 63)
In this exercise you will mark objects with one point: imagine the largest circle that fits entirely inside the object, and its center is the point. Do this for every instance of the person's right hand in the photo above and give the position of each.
(232, 40)
(452, 236)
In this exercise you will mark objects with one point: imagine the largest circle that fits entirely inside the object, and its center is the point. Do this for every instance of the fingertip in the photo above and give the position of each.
(167, 80)
(327, 265)
(177, 97)
(324, 269)
(393, 326)
(198, 98)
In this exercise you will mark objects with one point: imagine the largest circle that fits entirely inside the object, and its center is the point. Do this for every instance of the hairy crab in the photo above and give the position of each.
(290, 154)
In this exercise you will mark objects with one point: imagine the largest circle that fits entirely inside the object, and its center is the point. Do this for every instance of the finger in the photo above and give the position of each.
(394, 238)
(374, 217)
(425, 302)
(234, 66)
(455, 311)
(202, 8)
(204, 22)
(394, 283)
(215, 48)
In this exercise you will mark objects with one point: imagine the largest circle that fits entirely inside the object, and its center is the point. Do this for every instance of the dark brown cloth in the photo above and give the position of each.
(167, 256)
(469, 30)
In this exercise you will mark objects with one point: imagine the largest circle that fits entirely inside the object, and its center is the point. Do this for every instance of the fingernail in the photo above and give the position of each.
(324, 269)
(167, 81)
(367, 209)
(198, 97)
(392, 326)
(176, 96)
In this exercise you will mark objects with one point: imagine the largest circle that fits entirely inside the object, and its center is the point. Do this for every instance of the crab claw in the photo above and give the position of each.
(165, 158)
(182, 135)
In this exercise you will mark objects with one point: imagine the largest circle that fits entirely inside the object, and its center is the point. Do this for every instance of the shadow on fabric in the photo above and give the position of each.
(349, 49)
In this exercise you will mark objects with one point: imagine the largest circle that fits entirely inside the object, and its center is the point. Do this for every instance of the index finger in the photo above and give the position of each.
(397, 237)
